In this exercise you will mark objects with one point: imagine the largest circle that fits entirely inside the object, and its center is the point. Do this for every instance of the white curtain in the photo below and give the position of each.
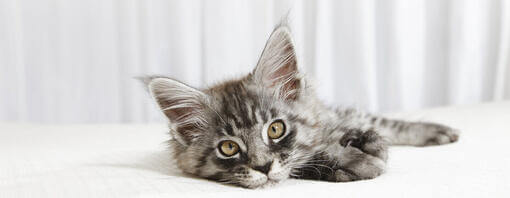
(72, 61)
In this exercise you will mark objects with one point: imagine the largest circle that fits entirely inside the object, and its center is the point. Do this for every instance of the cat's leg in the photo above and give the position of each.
(346, 155)
(363, 156)
(400, 132)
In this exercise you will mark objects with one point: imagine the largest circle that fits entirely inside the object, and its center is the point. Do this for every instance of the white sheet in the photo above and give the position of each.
(131, 161)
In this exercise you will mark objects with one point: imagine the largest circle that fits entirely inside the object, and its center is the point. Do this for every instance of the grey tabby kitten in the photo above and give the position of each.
(269, 125)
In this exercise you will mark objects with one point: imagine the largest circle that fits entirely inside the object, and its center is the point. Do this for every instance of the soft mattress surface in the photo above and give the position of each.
(132, 161)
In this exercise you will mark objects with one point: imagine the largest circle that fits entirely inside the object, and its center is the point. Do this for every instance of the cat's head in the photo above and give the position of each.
(250, 131)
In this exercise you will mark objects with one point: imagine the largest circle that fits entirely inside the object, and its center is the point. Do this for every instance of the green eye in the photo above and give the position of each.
(276, 129)
(228, 148)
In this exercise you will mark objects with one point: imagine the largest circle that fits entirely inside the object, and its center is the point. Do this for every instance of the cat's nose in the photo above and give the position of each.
(264, 169)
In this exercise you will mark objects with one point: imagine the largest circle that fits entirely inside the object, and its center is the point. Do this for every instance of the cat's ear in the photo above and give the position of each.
(183, 105)
(277, 67)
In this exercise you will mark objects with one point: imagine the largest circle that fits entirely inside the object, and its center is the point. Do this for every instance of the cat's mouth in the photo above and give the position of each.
(265, 181)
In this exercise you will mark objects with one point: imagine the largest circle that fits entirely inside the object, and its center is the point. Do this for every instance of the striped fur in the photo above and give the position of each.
(319, 142)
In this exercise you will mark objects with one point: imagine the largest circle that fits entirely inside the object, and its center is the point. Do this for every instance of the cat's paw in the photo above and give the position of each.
(343, 176)
(369, 142)
(439, 135)
(364, 167)
(352, 138)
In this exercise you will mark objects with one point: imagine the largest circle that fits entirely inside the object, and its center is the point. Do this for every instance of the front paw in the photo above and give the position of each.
(439, 134)
(367, 141)
(359, 167)
(352, 138)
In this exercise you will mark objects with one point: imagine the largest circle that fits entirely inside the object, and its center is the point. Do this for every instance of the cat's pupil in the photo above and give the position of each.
(230, 146)
(273, 128)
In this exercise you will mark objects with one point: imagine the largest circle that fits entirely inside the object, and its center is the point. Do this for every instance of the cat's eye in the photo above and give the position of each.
(276, 129)
(228, 148)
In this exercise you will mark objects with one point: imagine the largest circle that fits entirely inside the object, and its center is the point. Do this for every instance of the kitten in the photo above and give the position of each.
(269, 125)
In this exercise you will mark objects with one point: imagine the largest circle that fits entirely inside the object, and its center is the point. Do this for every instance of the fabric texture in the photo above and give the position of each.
(127, 160)
(74, 61)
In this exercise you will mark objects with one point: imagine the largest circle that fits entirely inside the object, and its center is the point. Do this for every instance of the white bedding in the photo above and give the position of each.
(131, 161)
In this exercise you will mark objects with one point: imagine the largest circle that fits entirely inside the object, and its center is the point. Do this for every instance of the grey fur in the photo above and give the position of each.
(319, 143)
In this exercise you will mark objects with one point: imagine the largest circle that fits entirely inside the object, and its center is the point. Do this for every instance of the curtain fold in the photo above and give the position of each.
(73, 61)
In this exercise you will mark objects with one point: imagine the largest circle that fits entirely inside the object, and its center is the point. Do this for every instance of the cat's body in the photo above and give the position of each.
(269, 126)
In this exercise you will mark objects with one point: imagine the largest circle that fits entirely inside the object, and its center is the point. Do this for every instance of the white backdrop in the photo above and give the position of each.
(73, 61)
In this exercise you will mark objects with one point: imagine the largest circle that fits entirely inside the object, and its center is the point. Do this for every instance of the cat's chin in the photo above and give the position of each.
(274, 182)
(267, 184)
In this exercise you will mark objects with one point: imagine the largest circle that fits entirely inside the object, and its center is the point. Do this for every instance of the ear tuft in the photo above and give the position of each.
(183, 105)
(277, 67)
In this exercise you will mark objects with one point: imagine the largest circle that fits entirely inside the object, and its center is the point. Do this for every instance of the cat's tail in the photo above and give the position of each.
(400, 132)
